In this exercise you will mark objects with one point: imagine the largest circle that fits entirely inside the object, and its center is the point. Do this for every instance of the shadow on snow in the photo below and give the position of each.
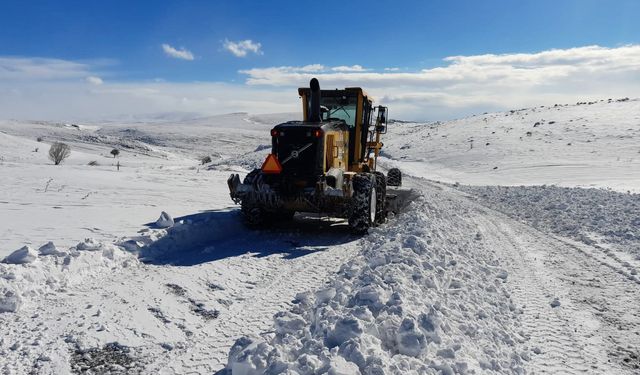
(212, 235)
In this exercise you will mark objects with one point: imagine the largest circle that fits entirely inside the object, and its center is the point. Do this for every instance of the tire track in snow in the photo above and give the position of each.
(584, 334)
(274, 292)
(593, 331)
(549, 332)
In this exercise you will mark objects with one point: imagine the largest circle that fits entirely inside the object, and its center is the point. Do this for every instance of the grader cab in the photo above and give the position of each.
(326, 163)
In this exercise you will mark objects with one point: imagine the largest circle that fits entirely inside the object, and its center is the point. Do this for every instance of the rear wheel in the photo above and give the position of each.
(394, 177)
(363, 209)
(381, 198)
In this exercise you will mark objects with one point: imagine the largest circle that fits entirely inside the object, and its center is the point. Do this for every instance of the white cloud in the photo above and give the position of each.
(463, 85)
(352, 68)
(94, 80)
(181, 53)
(483, 82)
(243, 47)
(21, 68)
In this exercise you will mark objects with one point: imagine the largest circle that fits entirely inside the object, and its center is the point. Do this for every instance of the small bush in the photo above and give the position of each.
(205, 159)
(39, 139)
(93, 163)
(115, 152)
(58, 152)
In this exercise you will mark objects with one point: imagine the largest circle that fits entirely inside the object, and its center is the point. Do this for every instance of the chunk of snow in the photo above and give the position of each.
(111, 252)
(345, 329)
(165, 220)
(23, 255)
(324, 295)
(249, 356)
(9, 301)
(411, 341)
(89, 244)
(340, 366)
(50, 249)
(502, 274)
(286, 322)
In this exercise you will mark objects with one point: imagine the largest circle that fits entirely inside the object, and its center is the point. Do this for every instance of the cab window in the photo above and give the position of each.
(341, 107)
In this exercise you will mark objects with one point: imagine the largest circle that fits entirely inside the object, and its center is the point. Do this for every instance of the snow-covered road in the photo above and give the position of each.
(593, 329)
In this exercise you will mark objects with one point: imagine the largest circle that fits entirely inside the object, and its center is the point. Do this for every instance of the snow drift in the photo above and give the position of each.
(421, 298)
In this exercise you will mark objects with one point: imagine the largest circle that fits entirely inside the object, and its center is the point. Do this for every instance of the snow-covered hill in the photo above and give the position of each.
(592, 144)
(473, 278)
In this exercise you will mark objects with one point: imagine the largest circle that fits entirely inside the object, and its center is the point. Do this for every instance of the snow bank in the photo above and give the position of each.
(21, 256)
(55, 270)
(420, 299)
(587, 215)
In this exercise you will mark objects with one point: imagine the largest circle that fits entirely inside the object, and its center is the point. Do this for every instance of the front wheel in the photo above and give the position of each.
(381, 197)
(253, 216)
(363, 205)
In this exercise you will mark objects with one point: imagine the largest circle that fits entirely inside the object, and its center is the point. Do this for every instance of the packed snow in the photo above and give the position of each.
(520, 254)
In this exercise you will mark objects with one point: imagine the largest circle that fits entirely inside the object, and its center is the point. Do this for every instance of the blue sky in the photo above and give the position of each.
(121, 42)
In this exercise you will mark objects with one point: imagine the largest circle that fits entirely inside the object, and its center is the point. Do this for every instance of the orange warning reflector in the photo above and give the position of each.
(271, 165)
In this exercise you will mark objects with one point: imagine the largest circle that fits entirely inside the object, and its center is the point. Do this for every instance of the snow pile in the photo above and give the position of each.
(23, 255)
(28, 276)
(587, 215)
(419, 299)
(164, 221)
(186, 237)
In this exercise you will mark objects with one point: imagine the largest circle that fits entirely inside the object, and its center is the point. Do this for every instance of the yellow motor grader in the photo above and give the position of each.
(325, 164)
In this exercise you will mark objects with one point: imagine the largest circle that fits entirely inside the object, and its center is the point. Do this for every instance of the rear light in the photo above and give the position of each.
(274, 132)
(318, 133)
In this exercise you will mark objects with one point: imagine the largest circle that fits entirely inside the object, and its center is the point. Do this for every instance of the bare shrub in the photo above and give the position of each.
(93, 163)
(58, 152)
(205, 159)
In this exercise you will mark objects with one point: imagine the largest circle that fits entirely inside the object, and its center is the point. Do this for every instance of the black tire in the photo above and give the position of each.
(360, 219)
(394, 177)
(253, 216)
(381, 198)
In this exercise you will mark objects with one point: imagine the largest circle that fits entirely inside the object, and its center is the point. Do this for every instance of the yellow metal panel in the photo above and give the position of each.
(358, 123)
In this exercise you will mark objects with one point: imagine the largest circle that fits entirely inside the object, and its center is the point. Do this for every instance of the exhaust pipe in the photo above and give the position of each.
(314, 111)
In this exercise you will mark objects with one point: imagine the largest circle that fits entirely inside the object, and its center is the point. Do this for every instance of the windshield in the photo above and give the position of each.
(341, 107)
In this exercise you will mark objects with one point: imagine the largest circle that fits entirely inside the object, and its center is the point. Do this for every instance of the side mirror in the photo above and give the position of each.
(324, 111)
(381, 120)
